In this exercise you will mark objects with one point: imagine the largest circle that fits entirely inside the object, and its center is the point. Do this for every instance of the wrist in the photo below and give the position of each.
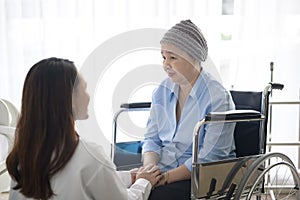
(149, 158)
(133, 178)
(166, 177)
(133, 173)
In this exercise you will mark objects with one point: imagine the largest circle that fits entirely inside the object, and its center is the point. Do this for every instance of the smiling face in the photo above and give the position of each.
(178, 65)
(81, 100)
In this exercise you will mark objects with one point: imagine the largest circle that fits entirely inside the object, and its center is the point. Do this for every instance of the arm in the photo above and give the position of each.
(152, 143)
(126, 177)
(145, 176)
(100, 179)
(216, 140)
(105, 183)
(150, 158)
(178, 174)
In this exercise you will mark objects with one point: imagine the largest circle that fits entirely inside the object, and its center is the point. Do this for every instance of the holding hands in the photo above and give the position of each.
(152, 173)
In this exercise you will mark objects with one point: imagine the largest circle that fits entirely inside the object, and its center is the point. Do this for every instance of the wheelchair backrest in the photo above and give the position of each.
(248, 135)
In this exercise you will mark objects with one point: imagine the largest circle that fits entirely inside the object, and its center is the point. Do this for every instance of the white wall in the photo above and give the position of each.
(261, 31)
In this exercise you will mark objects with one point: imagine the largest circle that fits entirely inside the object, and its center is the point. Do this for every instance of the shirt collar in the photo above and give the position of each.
(174, 91)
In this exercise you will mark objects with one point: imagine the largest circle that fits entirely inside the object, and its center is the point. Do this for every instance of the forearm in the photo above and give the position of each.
(178, 174)
(150, 158)
(126, 177)
(140, 189)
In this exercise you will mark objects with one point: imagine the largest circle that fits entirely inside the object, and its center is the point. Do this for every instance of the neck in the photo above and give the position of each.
(185, 88)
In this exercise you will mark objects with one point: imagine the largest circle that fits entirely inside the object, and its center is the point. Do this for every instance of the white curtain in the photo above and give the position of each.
(269, 31)
(241, 44)
(34, 29)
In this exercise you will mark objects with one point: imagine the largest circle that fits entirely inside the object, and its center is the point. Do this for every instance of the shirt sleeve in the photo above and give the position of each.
(106, 184)
(216, 141)
(139, 190)
(125, 176)
(152, 141)
(216, 145)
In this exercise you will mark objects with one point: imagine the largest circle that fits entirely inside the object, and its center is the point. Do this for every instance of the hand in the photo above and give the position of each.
(164, 180)
(150, 172)
(133, 174)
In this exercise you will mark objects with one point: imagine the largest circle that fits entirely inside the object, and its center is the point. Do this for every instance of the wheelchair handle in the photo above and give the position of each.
(276, 86)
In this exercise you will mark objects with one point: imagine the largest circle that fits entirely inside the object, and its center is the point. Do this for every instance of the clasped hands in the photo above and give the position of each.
(151, 172)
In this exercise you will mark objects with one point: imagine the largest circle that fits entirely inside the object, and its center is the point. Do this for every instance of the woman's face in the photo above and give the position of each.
(81, 100)
(179, 69)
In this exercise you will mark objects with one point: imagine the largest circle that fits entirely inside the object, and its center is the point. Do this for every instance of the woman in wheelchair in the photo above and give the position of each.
(49, 160)
(186, 96)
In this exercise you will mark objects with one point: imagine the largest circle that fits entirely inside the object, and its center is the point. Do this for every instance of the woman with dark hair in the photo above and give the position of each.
(49, 160)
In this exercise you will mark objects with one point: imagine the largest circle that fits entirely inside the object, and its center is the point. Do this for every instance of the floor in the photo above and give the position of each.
(4, 196)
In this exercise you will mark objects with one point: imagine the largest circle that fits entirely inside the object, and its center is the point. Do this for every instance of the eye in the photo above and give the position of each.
(172, 57)
(163, 57)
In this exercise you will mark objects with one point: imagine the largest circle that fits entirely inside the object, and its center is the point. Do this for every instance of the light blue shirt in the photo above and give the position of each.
(173, 141)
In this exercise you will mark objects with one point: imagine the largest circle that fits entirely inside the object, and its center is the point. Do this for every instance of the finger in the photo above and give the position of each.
(159, 183)
(156, 173)
(134, 170)
(159, 177)
(149, 167)
(154, 168)
(141, 169)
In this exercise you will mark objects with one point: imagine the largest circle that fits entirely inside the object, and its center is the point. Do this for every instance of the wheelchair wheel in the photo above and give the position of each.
(272, 176)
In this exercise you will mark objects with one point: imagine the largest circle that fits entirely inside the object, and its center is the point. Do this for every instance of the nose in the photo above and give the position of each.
(88, 97)
(166, 67)
(166, 64)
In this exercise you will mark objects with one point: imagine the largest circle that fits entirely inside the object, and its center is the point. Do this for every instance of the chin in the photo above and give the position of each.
(82, 117)
(175, 80)
(85, 117)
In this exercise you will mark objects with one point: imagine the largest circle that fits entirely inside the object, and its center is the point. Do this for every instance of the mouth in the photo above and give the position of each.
(170, 73)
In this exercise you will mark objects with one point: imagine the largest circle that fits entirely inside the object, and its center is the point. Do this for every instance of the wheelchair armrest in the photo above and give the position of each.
(136, 105)
(233, 115)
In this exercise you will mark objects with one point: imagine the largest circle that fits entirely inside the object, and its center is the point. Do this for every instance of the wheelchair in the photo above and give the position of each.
(253, 174)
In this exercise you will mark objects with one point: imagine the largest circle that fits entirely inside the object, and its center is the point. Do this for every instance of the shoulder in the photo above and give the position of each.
(209, 79)
(211, 84)
(213, 91)
(164, 89)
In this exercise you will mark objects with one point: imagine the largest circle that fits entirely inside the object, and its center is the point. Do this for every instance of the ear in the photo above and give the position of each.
(197, 66)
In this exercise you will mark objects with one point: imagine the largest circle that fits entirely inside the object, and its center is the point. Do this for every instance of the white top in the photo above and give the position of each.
(91, 175)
